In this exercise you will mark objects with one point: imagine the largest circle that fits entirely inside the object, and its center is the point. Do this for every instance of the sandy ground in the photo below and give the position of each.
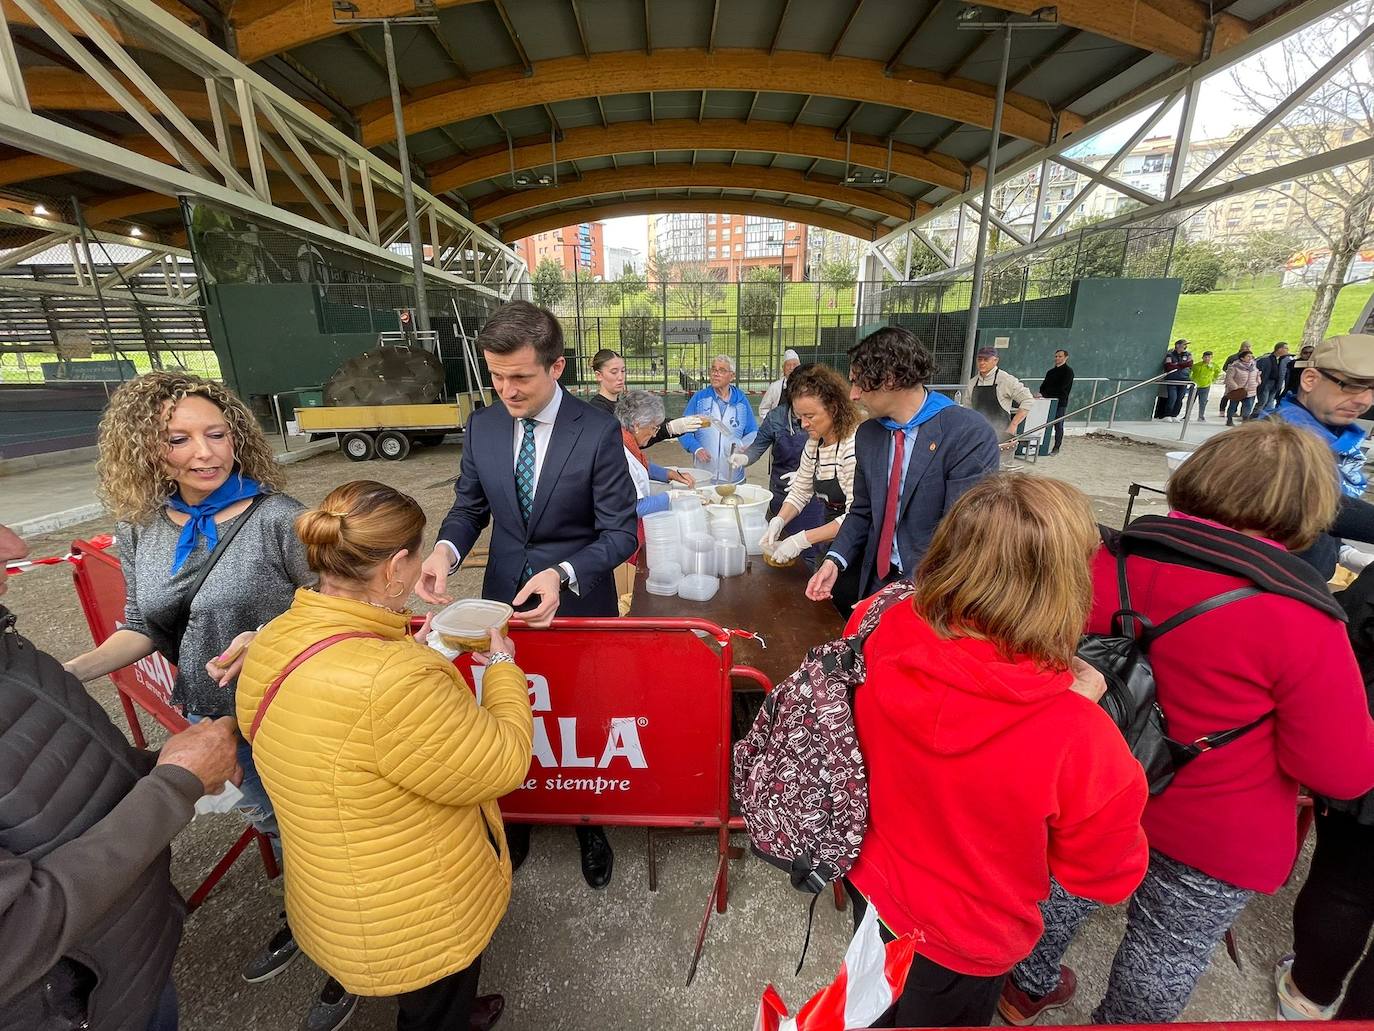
(568, 957)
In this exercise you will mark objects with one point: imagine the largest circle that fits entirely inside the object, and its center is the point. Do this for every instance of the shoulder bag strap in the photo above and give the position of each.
(225, 539)
(1204, 606)
(291, 667)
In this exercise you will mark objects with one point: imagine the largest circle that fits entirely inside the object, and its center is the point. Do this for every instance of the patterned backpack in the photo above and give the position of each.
(798, 775)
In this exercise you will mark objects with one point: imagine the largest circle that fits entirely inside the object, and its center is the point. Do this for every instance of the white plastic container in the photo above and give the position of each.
(1176, 458)
(664, 579)
(730, 558)
(698, 587)
(692, 522)
(467, 624)
(699, 555)
(751, 499)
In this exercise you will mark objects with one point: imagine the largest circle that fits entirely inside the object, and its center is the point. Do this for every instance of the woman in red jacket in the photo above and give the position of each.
(1226, 827)
(989, 770)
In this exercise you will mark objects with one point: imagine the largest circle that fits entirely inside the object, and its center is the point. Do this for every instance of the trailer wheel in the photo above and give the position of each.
(393, 445)
(359, 447)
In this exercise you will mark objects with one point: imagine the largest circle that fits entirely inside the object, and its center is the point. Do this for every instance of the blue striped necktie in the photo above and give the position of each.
(524, 469)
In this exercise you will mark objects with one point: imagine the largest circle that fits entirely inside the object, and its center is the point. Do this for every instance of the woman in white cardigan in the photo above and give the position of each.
(820, 401)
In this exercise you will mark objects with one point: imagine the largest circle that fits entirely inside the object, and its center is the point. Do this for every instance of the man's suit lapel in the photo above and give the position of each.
(504, 453)
(566, 429)
(927, 445)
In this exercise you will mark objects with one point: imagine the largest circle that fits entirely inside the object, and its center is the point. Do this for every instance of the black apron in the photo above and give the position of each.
(829, 490)
(986, 404)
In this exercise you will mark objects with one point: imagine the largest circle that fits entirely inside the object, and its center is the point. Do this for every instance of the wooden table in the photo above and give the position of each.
(770, 602)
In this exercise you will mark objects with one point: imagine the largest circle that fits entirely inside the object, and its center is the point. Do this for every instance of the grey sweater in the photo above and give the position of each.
(253, 583)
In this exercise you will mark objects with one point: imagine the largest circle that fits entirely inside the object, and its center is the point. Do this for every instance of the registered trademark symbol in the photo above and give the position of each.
(643, 721)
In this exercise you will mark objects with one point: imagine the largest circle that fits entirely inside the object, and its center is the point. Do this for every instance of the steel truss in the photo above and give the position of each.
(260, 147)
(1181, 193)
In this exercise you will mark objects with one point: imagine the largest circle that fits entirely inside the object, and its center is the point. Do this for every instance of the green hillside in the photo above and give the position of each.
(1263, 315)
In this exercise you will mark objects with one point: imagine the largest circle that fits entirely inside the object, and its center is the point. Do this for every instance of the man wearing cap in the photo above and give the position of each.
(1335, 388)
(1178, 365)
(998, 396)
(773, 394)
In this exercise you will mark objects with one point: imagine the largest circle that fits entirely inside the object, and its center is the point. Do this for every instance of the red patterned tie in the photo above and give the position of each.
(894, 493)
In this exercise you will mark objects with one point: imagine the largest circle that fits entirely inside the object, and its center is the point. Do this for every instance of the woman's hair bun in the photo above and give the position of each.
(320, 528)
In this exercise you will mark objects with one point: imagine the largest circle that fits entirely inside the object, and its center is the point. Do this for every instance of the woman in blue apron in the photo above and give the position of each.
(820, 401)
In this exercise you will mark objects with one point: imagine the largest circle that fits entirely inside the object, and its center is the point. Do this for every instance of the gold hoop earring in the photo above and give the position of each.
(399, 592)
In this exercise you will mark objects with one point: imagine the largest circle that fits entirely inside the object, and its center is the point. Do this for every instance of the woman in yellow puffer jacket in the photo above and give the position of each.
(383, 769)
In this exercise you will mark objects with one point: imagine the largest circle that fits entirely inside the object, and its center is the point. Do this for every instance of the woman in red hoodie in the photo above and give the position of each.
(989, 770)
(1226, 826)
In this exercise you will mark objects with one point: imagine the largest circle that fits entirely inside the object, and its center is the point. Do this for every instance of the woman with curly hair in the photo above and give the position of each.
(184, 465)
(820, 401)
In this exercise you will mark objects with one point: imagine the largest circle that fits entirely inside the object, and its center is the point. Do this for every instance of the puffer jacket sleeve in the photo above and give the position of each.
(432, 738)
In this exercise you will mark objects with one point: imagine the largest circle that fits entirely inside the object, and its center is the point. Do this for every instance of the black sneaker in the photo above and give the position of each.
(332, 1010)
(275, 957)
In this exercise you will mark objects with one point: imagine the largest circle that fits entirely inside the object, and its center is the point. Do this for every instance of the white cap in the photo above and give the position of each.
(790, 356)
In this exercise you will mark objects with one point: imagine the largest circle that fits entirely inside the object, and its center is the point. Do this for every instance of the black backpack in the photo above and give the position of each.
(1123, 660)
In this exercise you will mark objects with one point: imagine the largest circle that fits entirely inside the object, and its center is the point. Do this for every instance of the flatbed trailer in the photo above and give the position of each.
(389, 431)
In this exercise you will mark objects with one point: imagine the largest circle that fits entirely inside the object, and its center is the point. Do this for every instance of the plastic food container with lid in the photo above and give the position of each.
(698, 587)
(664, 579)
(467, 624)
(730, 558)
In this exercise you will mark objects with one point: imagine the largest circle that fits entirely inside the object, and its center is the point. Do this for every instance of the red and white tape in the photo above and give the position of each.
(24, 565)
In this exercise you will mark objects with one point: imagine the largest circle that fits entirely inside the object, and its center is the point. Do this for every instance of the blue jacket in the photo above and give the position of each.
(953, 451)
(584, 505)
(737, 416)
(1347, 445)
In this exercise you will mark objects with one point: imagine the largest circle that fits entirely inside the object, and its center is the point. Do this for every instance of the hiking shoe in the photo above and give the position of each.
(1019, 1008)
(332, 1010)
(276, 956)
(1293, 1005)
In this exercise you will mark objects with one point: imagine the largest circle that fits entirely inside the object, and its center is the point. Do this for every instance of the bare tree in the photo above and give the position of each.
(1335, 206)
(697, 290)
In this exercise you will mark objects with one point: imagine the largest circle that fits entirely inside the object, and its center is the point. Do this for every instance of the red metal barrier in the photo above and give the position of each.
(146, 684)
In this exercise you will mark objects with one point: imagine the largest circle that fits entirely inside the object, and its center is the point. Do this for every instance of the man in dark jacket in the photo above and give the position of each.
(1057, 386)
(89, 920)
(920, 443)
(1273, 369)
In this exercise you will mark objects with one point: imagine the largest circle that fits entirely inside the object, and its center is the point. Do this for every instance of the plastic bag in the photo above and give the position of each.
(870, 980)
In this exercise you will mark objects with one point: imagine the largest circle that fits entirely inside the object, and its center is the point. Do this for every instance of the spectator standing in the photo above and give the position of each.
(820, 399)
(915, 456)
(1226, 367)
(1224, 829)
(182, 462)
(1022, 776)
(548, 472)
(1295, 368)
(384, 769)
(1273, 369)
(732, 426)
(1178, 364)
(88, 913)
(1242, 383)
(999, 397)
(1057, 386)
(772, 397)
(1203, 375)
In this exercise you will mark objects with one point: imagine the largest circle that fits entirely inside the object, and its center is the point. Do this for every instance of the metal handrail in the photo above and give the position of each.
(1113, 398)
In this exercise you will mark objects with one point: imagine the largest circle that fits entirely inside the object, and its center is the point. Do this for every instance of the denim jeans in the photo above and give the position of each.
(255, 807)
(1246, 407)
(1177, 392)
(1202, 394)
(164, 1018)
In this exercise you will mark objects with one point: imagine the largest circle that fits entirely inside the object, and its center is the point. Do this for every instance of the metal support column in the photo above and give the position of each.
(984, 218)
(417, 247)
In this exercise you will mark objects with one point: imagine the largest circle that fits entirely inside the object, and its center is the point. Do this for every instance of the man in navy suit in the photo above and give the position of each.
(916, 455)
(548, 472)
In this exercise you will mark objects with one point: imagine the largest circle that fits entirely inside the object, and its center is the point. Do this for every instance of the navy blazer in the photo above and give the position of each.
(953, 451)
(584, 505)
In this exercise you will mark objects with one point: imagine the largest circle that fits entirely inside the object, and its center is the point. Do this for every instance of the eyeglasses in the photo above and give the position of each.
(1347, 386)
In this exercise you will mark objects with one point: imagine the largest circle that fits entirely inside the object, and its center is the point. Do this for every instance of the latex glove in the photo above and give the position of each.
(786, 478)
(739, 460)
(687, 424)
(774, 531)
(790, 548)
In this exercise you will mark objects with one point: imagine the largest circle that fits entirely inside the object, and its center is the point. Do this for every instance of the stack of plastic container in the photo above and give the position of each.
(663, 551)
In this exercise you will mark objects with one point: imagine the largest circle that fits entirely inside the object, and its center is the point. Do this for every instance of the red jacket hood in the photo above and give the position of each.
(961, 693)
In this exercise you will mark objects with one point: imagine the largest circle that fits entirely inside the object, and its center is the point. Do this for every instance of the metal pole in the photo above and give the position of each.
(984, 218)
(417, 248)
(95, 282)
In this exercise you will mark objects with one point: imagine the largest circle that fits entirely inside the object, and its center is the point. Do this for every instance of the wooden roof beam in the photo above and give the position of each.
(594, 141)
(663, 206)
(608, 74)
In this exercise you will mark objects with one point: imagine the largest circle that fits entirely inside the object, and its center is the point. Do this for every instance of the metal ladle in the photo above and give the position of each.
(726, 492)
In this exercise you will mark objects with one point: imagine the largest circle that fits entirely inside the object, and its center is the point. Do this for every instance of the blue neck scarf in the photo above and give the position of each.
(202, 521)
(935, 403)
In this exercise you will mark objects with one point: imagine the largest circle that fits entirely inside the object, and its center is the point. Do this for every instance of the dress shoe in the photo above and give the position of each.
(597, 858)
(518, 844)
(486, 1011)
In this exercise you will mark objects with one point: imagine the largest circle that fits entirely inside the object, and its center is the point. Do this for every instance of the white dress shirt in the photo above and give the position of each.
(543, 434)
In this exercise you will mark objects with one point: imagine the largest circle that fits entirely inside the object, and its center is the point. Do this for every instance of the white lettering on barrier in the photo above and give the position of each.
(622, 741)
(154, 672)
